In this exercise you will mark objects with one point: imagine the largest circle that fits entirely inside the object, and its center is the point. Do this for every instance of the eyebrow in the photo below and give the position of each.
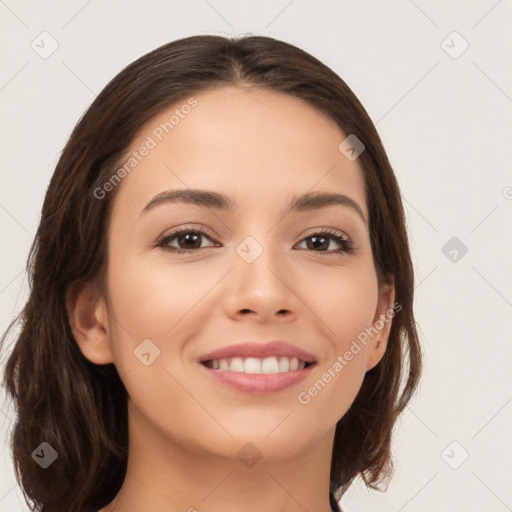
(210, 199)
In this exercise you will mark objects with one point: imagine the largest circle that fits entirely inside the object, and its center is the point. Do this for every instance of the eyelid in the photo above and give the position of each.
(325, 229)
(185, 227)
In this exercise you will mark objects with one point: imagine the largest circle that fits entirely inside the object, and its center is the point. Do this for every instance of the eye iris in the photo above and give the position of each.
(315, 245)
(187, 238)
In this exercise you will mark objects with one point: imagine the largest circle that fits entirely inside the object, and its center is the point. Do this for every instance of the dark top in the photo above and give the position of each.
(334, 504)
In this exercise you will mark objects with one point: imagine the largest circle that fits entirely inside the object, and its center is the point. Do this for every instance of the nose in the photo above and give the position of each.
(263, 289)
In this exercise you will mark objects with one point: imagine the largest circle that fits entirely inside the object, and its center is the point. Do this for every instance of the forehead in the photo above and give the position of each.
(260, 147)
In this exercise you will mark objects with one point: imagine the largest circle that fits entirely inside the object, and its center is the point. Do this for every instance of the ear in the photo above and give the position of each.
(88, 318)
(381, 325)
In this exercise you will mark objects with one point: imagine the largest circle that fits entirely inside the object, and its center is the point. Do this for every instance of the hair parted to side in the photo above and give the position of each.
(80, 408)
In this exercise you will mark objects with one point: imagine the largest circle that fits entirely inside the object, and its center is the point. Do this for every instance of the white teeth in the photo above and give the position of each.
(237, 364)
(252, 365)
(266, 366)
(284, 364)
(269, 365)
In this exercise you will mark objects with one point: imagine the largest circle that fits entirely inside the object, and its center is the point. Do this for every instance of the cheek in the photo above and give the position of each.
(154, 301)
(344, 301)
(162, 305)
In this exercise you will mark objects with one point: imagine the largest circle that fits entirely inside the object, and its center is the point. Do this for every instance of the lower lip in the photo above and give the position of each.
(259, 384)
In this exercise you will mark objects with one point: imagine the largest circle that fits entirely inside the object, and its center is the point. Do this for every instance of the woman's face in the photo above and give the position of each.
(260, 272)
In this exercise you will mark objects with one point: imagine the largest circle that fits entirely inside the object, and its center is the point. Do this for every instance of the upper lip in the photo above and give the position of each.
(260, 350)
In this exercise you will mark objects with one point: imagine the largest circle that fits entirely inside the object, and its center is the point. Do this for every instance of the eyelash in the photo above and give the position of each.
(343, 240)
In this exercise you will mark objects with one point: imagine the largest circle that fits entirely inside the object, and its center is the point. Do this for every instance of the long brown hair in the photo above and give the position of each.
(79, 408)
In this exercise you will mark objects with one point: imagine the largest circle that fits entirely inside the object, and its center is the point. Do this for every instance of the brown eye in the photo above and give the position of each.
(320, 242)
(188, 240)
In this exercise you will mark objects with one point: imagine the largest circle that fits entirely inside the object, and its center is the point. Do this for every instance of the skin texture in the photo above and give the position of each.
(260, 148)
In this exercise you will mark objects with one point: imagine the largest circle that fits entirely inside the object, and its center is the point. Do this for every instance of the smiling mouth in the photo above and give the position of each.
(254, 365)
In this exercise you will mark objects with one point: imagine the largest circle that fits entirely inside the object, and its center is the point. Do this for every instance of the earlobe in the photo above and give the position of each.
(88, 320)
(382, 324)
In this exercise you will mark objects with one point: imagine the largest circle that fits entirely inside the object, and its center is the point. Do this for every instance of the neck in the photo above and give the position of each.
(168, 475)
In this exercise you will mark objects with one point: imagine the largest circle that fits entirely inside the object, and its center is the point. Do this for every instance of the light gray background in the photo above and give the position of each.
(446, 124)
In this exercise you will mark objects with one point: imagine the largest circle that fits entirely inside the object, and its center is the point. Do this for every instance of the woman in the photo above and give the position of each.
(221, 306)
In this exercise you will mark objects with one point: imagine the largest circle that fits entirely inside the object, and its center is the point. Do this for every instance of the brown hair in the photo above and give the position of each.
(80, 408)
